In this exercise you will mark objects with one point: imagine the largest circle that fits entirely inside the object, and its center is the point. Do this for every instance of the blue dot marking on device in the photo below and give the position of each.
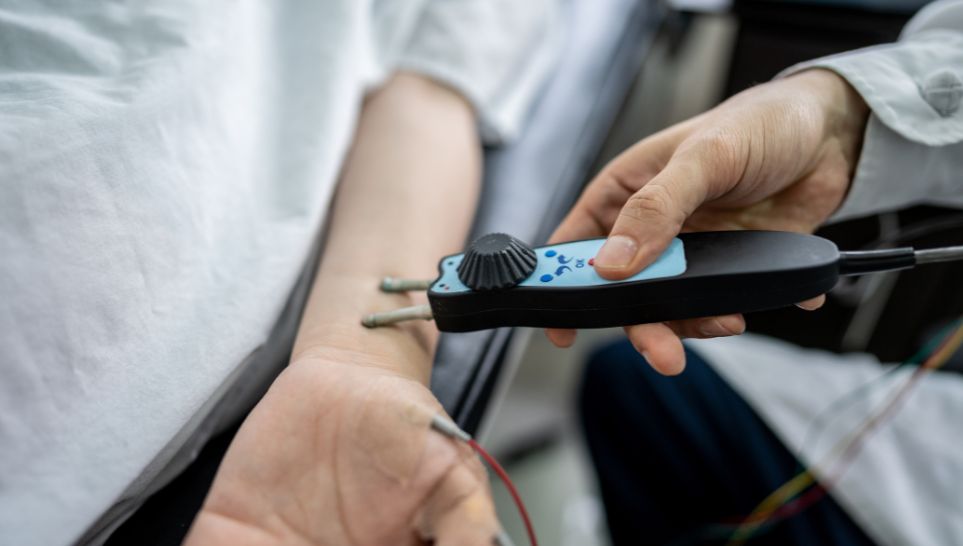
(551, 270)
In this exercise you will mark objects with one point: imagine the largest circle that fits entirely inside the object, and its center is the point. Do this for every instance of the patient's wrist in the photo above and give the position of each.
(335, 330)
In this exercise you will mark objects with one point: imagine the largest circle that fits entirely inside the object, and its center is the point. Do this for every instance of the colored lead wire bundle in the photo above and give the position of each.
(804, 489)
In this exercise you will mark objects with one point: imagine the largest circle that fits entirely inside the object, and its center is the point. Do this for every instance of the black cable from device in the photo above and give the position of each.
(858, 262)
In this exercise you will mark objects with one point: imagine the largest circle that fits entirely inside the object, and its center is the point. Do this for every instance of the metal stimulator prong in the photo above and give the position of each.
(391, 284)
(375, 320)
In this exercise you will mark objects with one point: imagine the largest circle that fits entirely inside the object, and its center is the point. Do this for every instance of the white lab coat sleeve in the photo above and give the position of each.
(913, 146)
(496, 53)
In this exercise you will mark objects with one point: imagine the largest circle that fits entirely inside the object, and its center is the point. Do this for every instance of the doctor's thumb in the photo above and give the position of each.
(648, 221)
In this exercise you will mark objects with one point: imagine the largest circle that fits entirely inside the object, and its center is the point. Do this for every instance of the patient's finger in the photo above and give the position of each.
(460, 511)
(659, 345)
(813, 303)
(561, 337)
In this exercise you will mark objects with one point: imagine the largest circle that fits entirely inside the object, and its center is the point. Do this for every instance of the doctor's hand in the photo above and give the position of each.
(339, 451)
(778, 156)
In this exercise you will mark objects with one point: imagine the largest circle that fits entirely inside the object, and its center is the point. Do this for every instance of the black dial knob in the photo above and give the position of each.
(496, 261)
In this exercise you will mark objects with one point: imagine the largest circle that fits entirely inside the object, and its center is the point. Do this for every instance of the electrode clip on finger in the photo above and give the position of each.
(501, 282)
(445, 427)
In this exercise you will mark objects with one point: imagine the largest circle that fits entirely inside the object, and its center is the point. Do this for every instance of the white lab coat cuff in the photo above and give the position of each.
(893, 78)
(919, 176)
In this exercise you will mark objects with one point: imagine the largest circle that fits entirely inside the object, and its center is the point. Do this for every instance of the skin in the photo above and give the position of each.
(339, 450)
(779, 156)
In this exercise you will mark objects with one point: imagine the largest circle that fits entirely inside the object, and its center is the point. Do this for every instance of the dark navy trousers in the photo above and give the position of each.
(678, 456)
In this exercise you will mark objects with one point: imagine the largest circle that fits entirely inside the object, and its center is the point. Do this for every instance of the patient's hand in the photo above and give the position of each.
(779, 156)
(339, 452)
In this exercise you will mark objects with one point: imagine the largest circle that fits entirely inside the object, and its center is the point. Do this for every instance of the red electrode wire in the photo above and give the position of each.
(503, 476)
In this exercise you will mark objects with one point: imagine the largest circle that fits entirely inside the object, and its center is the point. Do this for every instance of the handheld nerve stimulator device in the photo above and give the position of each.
(500, 281)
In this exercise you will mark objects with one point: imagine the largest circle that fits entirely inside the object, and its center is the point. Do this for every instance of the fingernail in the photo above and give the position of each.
(810, 305)
(718, 327)
(618, 251)
(645, 355)
(676, 368)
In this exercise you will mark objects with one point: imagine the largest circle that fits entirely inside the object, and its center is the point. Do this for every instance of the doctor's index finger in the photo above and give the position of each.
(597, 209)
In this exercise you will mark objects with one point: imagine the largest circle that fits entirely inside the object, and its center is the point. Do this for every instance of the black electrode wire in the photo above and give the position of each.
(939, 255)
(859, 262)
(850, 289)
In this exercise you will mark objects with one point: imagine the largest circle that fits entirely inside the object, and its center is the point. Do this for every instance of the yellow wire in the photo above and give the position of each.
(796, 485)
(946, 351)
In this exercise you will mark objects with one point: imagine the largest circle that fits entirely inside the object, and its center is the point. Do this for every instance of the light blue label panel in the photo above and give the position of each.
(569, 264)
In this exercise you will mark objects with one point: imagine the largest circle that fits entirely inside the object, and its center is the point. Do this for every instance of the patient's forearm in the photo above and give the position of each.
(406, 197)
